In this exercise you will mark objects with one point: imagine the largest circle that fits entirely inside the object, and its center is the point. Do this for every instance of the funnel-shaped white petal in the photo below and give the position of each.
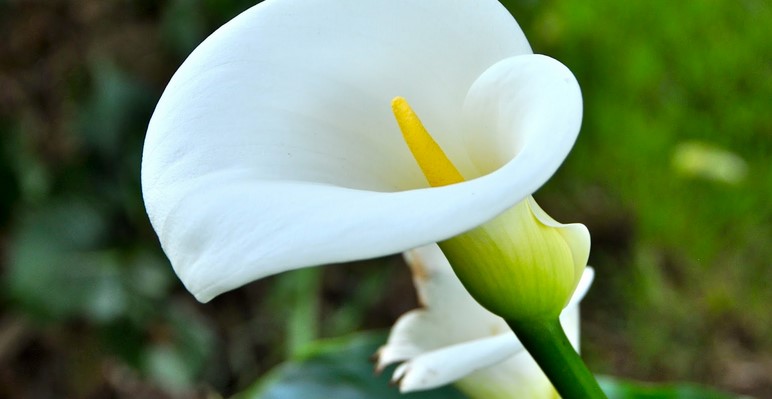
(273, 146)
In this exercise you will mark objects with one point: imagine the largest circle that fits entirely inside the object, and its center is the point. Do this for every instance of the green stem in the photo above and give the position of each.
(302, 326)
(549, 346)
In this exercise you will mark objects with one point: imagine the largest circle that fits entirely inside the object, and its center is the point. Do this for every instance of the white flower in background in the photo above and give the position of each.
(454, 339)
(274, 146)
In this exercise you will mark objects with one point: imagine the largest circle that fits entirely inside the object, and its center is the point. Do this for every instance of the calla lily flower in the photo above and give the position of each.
(274, 146)
(452, 339)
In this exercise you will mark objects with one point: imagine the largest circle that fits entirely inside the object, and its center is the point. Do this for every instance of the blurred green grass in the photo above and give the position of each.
(657, 75)
(89, 302)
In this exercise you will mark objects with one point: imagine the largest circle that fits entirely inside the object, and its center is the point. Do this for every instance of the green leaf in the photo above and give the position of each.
(183, 25)
(55, 269)
(117, 109)
(622, 389)
(340, 369)
(59, 267)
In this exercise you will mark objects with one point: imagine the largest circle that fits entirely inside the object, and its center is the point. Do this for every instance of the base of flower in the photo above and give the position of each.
(549, 346)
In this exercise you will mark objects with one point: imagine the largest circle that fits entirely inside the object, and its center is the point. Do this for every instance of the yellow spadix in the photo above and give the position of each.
(522, 265)
(435, 165)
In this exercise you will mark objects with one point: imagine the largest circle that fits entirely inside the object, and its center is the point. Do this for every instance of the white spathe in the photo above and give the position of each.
(274, 148)
(454, 339)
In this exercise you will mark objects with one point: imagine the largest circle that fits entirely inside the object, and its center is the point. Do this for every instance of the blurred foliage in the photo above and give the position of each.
(339, 369)
(621, 389)
(675, 94)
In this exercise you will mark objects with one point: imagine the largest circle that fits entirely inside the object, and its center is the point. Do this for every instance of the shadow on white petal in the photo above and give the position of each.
(443, 366)
(581, 289)
(524, 110)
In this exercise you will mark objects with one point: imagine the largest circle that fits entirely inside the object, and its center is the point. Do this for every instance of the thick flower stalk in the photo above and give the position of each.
(274, 146)
(452, 339)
